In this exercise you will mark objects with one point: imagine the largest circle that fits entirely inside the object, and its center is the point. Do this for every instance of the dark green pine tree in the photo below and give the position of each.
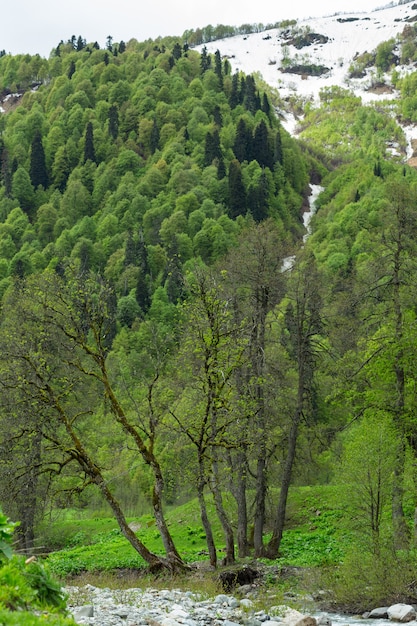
(142, 294)
(218, 69)
(212, 148)
(227, 68)
(258, 199)
(261, 146)
(177, 51)
(122, 47)
(71, 69)
(234, 99)
(221, 169)
(81, 44)
(242, 146)
(143, 255)
(154, 138)
(237, 192)
(205, 62)
(208, 150)
(131, 251)
(217, 116)
(278, 154)
(174, 282)
(113, 121)
(266, 106)
(251, 98)
(89, 151)
(5, 172)
(37, 171)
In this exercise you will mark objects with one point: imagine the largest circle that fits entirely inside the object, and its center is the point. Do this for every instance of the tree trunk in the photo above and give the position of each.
(80, 454)
(27, 500)
(149, 457)
(274, 543)
(242, 509)
(260, 496)
(258, 339)
(222, 515)
(170, 549)
(204, 517)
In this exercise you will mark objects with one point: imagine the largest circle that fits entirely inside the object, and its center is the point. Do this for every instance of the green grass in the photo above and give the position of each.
(314, 536)
(25, 618)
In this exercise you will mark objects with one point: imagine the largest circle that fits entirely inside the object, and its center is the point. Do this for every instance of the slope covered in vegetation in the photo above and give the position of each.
(154, 349)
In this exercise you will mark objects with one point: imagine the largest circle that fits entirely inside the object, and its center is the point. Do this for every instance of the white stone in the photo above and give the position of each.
(401, 613)
(246, 603)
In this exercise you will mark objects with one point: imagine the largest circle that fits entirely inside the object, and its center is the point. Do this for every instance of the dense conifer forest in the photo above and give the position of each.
(166, 332)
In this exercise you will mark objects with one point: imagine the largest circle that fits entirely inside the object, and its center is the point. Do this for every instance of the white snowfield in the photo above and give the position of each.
(348, 34)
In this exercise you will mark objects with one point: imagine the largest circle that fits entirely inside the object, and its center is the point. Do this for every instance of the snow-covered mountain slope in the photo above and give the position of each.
(348, 35)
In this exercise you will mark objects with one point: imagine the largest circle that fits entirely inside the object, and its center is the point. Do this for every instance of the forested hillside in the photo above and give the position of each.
(158, 344)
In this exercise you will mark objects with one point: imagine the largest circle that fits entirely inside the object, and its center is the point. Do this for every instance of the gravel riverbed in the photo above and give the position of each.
(149, 607)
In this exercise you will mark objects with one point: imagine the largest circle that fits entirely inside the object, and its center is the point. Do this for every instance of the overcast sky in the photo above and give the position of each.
(39, 25)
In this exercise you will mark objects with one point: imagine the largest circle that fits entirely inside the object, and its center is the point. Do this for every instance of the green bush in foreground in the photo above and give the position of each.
(26, 585)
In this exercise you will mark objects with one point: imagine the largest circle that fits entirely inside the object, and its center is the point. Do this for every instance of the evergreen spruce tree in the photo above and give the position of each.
(242, 146)
(71, 69)
(251, 97)
(122, 47)
(261, 147)
(89, 151)
(131, 251)
(212, 149)
(258, 199)
(154, 139)
(38, 173)
(177, 51)
(237, 192)
(218, 67)
(278, 154)
(205, 62)
(234, 94)
(221, 169)
(217, 116)
(266, 107)
(113, 121)
(81, 43)
(143, 297)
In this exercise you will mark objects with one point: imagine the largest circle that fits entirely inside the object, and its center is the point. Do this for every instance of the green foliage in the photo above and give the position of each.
(365, 580)
(6, 537)
(29, 585)
(365, 478)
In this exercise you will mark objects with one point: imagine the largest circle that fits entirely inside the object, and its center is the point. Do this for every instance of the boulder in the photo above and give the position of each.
(83, 611)
(379, 613)
(401, 613)
(295, 618)
(245, 575)
(324, 620)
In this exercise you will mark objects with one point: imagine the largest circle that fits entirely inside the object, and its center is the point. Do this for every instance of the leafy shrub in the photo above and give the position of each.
(6, 536)
(365, 580)
(26, 585)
